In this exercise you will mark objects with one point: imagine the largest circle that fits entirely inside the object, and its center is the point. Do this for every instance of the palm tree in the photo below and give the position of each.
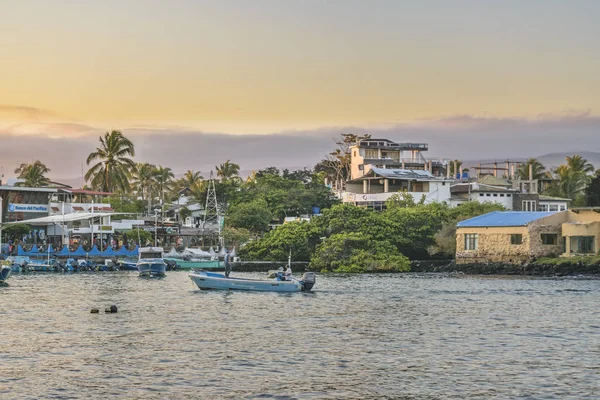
(579, 165)
(572, 177)
(143, 181)
(33, 174)
(163, 177)
(190, 178)
(227, 170)
(112, 171)
(537, 168)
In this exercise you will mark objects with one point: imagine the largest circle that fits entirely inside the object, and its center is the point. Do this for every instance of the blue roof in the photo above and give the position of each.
(504, 218)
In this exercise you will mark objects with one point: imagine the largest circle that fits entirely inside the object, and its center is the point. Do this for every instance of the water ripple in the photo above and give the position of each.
(413, 336)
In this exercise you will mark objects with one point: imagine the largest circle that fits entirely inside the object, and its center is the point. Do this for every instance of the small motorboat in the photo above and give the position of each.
(151, 262)
(5, 271)
(209, 280)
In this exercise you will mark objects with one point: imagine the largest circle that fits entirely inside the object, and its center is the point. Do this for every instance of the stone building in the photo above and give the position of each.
(517, 237)
(512, 237)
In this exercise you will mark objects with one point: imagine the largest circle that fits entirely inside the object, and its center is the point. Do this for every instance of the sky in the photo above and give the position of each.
(468, 76)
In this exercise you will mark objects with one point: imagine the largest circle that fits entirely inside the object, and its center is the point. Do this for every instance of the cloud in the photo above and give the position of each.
(27, 112)
(466, 137)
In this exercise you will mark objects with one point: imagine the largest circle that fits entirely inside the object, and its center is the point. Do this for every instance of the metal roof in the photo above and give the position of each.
(410, 174)
(503, 218)
(57, 219)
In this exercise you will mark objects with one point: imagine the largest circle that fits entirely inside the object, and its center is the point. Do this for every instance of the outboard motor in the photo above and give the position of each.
(308, 281)
(171, 265)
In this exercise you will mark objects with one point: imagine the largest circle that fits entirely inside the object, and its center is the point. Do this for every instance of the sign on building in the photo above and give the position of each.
(28, 208)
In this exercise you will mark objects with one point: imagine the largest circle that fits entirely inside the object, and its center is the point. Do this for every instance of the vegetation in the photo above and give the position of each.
(537, 168)
(112, 172)
(592, 192)
(253, 216)
(16, 231)
(353, 239)
(33, 175)
(588, 261)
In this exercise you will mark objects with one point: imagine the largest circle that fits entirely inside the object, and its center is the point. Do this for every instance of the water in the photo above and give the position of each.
(369, 336)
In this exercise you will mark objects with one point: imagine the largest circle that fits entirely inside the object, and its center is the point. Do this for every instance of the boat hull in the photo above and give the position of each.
(5, 272)
(193, 264)
(212, 281)
(149, 267)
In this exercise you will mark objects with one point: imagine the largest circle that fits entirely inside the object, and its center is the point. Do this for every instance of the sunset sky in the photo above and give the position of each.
(74, 68)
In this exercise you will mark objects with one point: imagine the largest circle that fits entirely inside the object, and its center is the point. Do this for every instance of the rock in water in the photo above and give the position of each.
(113, 309)
(94, 311)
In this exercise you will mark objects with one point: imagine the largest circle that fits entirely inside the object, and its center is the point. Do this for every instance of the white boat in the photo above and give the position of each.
(151, 262)
(209, 280)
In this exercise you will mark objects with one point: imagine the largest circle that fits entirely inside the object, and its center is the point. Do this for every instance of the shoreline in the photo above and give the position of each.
(447, 266)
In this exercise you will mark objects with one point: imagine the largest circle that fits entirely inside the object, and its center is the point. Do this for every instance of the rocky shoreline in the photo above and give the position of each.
(446, 266)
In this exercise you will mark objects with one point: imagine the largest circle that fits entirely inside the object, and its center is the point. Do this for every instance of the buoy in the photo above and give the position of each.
(94, 311)
(113, 309)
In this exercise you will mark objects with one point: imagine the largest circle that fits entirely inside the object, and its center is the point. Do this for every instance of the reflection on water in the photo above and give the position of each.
(370, 336)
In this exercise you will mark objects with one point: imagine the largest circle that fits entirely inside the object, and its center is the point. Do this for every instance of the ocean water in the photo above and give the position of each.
(401, 336)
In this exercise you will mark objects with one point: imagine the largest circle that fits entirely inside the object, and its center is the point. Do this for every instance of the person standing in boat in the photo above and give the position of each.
(227, 263)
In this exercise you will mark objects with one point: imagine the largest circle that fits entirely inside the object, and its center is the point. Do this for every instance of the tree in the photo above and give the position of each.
(357, 252)
(112, 171)
(184, 213)
(592, 192)
(191, 178)
(227, 170)
(235, 236)
(538, 170)
(451, 167)
(33, 174)
(143, 181)
(572, 179)
(254, 216)
(340, 158)
(16, 231)
(163, 177)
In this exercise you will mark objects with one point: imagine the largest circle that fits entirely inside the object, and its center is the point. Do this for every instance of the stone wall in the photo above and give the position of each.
(494, 246)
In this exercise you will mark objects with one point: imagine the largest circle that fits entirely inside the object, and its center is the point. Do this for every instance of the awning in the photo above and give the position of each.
(58, 219)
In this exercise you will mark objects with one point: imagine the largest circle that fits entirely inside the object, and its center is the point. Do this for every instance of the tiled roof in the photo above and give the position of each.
(503, 218)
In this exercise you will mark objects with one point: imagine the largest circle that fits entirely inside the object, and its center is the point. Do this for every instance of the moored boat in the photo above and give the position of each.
(5, 271)
(210, 280)
(151, 262)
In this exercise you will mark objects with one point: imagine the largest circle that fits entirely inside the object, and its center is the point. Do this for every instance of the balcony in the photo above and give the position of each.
(430, 197)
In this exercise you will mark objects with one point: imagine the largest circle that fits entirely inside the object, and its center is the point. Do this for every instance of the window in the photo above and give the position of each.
(480, 194)
(549, 239)
(582, 244)
(501, 194)
(543, 207)
(562, 207)
(488, 195)
(509, 195)
(361, 167)
(516, 238)
(471, 240)
(564, 243)
(529, 205)
(495, 194)
(553, 207)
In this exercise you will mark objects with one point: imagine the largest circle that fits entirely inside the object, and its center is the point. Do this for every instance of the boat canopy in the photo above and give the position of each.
(135, 252)
(80, 252)
(109, 252)
(94, 252)
(195, 253)
(64, 251)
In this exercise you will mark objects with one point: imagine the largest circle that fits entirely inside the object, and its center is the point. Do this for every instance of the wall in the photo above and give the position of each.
(355, 161)
(493, 245)
(570, 229)
(506, 200)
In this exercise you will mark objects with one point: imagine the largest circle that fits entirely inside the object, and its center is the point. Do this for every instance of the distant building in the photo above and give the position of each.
(517, 237)
(488, 188)
(375, 187)
(386, 154)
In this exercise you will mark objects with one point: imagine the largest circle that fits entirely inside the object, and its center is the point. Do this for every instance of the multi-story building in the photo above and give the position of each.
(386, 154)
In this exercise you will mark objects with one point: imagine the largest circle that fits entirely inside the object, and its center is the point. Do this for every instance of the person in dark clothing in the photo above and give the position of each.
(227, 264)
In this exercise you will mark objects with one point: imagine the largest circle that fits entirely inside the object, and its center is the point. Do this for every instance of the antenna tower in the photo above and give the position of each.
(211, 210)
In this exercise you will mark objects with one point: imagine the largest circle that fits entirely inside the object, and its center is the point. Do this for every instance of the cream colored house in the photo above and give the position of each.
(518, 237)
(386, 154)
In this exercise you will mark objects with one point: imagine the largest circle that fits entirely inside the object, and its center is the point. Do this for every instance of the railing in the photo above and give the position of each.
(370, 197)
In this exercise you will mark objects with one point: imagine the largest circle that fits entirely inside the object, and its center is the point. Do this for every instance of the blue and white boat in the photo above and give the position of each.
(210, 280)
(5, 271)
(151, 262)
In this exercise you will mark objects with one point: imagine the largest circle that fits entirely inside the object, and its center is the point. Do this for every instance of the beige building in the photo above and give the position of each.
(518, 237)
(386, 154)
